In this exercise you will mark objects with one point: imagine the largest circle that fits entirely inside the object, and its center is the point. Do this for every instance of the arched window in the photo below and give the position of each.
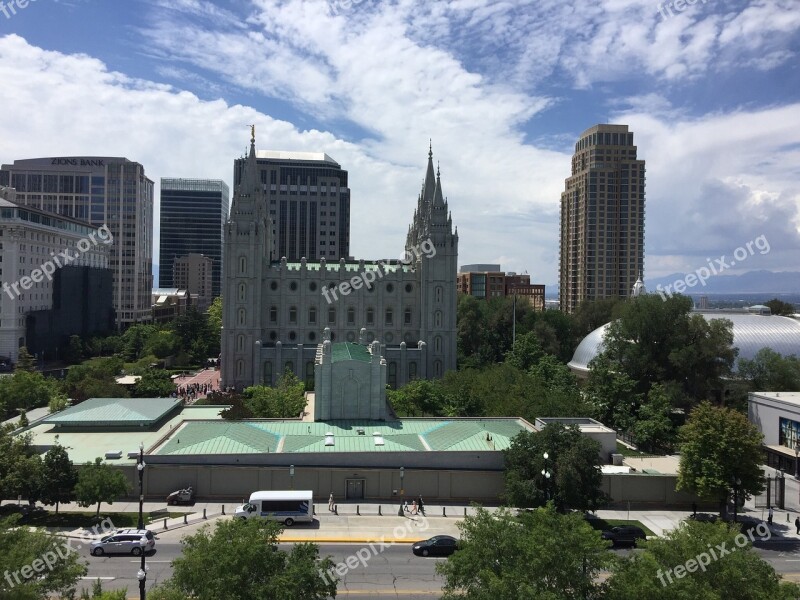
(240, 343)
(242, 316)
(392, 374)
(267, 373)
(412, 370)
(242, 292)
(242, 265)
(437, 319)
(370, 316)
(293, 314)
(273, 314)
(407, 316)
(437, 343)
(437, 368)
(240, 368)
(389, 316)
(312, 315)
(351, 316)
(331, 315)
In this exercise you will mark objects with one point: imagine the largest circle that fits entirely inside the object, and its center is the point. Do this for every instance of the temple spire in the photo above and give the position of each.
(429, 187)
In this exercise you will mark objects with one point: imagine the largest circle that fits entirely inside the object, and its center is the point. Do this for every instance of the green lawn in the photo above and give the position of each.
(603, 524)
(625, 451)
(85, 519)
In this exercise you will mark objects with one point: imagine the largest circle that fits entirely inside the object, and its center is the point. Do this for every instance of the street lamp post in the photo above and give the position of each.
(141, 575)
(291, 477)
(400, 512)
(546, 473)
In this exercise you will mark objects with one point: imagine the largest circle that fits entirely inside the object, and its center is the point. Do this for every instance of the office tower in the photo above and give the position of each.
(487, 281)
(602, 218)
(309, 203)
(277, 313)
(109, 191)
(193, 214)
(194, 273)
(46, 297)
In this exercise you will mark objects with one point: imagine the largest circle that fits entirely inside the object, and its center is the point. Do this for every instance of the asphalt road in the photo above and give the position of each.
(393, 572)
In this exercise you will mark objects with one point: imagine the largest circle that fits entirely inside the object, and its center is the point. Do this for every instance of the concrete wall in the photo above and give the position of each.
(765, 413)
(648, 490)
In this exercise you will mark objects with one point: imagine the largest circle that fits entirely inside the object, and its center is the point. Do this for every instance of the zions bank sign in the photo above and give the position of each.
(78, 162)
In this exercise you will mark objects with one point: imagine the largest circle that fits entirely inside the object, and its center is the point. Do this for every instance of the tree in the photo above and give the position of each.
(20, 466)
(27, 389)
(154, 384)
(654, 429)
(239, 560)
(526, 351)
(58, 476)
(539, 554)
(611, 394)
(99, 482)
(770, 371)
(573, 462)
(75, 350)
(654, 572)
(36, 564)
(286, 400)
(162, 344)
(25, 361)
(779, 307)
(719, 447)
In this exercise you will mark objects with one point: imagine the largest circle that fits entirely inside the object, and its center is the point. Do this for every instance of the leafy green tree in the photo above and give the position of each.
(286, 400)
(770, 371)
(659, 571)
(611, 394)
(592, 314)
(26, 389)
(779, 307)
(25, 361)
(573, 463)
(59, 476)
(98, 483)
(74, 352)
(239, 560)
(23, 418)
(36, 565)
(18, 467)
(134, 340)
(539, 554)
(99, 594)
(654, 429)
(58, 403)
(154, 384)
(95, 378)
(525, 352)
(719, 447)
(162, 344)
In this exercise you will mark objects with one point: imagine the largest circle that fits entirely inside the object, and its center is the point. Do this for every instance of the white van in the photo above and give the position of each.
(286, 506)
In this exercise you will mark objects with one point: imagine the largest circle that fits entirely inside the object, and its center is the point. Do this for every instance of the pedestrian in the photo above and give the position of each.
(769, 516)
(330, 503)
(421, 505)
(797, 524)
(405, 506)
(414, 507)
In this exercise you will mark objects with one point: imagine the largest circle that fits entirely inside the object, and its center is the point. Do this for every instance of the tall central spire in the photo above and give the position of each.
(429, 187)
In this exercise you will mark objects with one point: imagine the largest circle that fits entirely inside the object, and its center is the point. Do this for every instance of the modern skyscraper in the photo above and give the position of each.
(193, 214)
(109, 191)
(195, 273)
(602, 218)
(309, 203)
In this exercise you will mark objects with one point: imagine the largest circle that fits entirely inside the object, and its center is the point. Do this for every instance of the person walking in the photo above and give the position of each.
(330, 503)
(797, 524)
(421, 505)
(414, 507)
(769, 516)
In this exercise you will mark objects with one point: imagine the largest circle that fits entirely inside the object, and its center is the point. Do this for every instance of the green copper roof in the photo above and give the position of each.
(413, 435)
(349, 351)
(115, 412)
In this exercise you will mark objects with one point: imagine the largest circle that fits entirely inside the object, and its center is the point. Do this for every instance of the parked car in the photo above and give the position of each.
(624, 535)
(125, 541)
(438, 545)
(184, 496)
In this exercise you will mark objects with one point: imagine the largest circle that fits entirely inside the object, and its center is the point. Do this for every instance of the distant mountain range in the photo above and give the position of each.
(753, 282)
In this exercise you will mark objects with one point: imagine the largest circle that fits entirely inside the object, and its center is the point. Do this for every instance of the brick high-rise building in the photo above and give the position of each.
(602, 218)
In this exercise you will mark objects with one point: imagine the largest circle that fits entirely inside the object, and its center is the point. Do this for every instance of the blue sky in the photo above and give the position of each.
(503, 89)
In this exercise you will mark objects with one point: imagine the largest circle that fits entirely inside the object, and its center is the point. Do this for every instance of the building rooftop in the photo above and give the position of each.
(786, 397)
(409, 435)
(114, 412)
(307, 156)
(342, 351)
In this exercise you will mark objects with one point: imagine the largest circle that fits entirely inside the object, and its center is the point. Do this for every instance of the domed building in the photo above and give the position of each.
(752, 331)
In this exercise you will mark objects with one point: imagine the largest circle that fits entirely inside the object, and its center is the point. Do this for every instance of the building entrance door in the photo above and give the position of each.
(355, 489)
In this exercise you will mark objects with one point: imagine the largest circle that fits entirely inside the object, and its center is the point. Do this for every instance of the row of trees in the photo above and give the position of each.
(284, 401)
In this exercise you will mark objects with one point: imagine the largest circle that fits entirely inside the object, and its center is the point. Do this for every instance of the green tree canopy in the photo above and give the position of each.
(718, 447)
(779, 307)
(26, 390)
(25, 360)
(652, 573)
(771, 371)
(573, 463)
(98, 483)
(59, 476)
(36, 565)
(284, 401)
(154, 383)
(239, 560)
(539, 554)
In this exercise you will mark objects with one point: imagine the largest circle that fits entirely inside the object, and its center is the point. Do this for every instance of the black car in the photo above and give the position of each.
(438, 545)
(624, 535)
